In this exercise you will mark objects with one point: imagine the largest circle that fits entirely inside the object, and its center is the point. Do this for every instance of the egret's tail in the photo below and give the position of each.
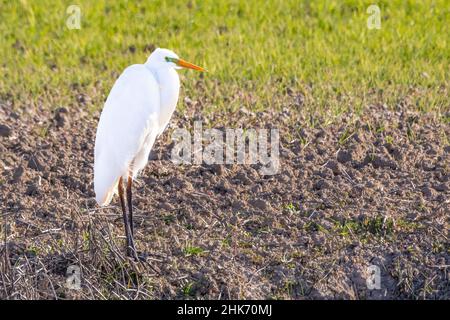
(103, 199)
(105, 182)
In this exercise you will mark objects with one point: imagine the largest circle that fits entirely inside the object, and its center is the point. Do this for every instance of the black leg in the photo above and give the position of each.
(130, 204)
(131, 251)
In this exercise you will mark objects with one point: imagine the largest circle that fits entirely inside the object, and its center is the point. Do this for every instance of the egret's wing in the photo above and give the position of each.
(129, 116)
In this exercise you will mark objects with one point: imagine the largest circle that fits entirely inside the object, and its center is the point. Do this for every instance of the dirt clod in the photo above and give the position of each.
(259, 204)
(61, 117)
(36, 163)
(32, 189)
(428, 192)
(344, 156)
(5, 131)
(218, 169)
(334, 166)
(17, 175)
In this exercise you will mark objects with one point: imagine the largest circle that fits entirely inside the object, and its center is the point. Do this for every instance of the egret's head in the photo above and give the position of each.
(167, 58)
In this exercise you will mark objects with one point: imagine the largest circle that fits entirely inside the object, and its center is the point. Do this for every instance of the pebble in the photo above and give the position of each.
(344, 156)
(36, 163)
(5, 131)
(259, 204)
(18, 173)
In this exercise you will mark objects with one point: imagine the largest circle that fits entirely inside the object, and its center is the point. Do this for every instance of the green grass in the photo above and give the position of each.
(377, 226)
(190, 250)
(188, 290)
(258, 53)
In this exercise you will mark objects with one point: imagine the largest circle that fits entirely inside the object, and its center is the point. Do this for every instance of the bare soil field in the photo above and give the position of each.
(360, 191)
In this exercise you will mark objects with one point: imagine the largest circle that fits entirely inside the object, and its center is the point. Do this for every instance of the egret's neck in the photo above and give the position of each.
(169, 88)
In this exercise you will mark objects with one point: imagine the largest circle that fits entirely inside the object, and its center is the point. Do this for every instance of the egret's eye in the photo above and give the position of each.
(169, 59)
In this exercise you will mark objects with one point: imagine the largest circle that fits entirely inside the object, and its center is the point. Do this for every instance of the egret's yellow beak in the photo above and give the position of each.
(185, 64)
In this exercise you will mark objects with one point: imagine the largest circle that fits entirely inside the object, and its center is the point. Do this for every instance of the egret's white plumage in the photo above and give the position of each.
(136, 111)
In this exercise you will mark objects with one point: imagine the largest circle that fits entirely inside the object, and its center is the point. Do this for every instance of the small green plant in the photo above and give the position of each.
(411, 134)
(188, 289)
(34, 250)
(226, 242)
(380, 128)
(347, 134)
(168, 219)
(446, 118)
(192, 250)
(438, 247)
(346, 229)
(389, 139)
(85, 236)
(291, 207)
(407, 226)
(378, 226)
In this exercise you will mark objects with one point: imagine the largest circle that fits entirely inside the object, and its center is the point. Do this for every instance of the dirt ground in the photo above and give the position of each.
(362, 191)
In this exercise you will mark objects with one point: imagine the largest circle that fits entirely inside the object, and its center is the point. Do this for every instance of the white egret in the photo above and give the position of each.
(136, 112)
